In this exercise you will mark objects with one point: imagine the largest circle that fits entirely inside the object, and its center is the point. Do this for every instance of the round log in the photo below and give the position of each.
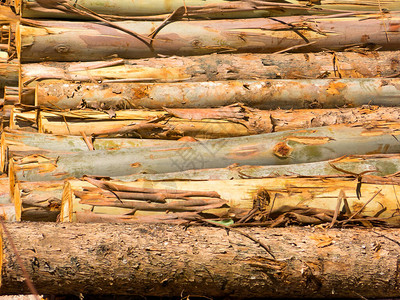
(164, 260)
(278, 148)
(262, 94)
(87, 41)
(220, 67)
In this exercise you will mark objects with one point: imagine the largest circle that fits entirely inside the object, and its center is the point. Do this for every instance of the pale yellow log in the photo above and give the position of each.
(317, 192)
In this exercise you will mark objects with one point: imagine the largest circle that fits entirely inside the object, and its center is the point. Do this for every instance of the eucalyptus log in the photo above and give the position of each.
(11, 96)
(9, 72)
(4, 190)
(151, 124)
(280, 148)
(380, 165)
(7, 29)
(165, 260)
(229, 121)
(20, 143)
(220, 67)
(193, 8)
(17, 143)
(138, 204)
(6, 113)
(87, 41)
(263, 94)
(19, 119)
(274, 194)
(40, 201)
(10, 208)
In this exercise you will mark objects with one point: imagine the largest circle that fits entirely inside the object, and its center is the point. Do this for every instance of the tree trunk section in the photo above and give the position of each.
(9, 74)
(230, 198)
(84, 41)
(288, 147)
(381, 165)
(195, 8)
(18, 143)
(157, 260)
(266, 94)
(222, 67)
(229, 121)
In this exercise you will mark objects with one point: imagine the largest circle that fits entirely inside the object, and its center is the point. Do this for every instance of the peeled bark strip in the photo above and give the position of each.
(263, 94)
(160, 260)
(84, 41)
(288, 147)
(318, 192)
(222, 67)
(195, 8)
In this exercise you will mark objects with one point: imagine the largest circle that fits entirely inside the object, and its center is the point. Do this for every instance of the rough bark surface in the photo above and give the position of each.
(157, 260)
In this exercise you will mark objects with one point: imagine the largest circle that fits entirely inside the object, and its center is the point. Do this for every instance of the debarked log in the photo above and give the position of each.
(262, 94)
(39, 201)
(22, 143)
(192, 8)
(138, 203)
(223, 122)
(221, 67)
(165, 260)
(9, 73)
(280, 148)
(84, 41)
(229, 121)
(377, 196)
(380, 164)
(19, 144)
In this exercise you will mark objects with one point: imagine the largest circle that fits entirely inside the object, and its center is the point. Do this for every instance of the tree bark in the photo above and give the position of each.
(84, 41)
(157, 260)
(231, 198)
(265, 94)
(222, 122)
(195, 8)
(289, 147)
(229, 121)
(222, 67)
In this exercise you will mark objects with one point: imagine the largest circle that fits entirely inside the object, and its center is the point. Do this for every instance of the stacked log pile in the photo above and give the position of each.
(222, 113)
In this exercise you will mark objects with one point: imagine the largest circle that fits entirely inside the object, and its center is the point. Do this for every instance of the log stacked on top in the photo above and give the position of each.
(144, 93)
(246, 113)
